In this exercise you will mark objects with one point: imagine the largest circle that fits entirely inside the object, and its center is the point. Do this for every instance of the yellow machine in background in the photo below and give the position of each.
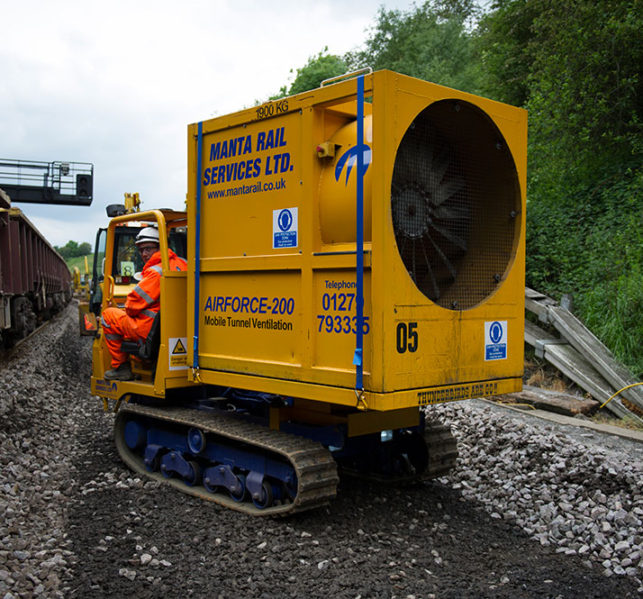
(80, 281)
(82, 284)
(355, 253)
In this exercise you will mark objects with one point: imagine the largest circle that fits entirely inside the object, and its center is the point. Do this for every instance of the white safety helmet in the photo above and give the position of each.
(147, 235)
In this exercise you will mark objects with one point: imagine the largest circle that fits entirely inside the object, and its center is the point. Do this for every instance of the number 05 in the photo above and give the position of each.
(406, 337)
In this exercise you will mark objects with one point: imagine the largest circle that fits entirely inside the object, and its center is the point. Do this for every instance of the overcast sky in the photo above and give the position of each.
(116, 84)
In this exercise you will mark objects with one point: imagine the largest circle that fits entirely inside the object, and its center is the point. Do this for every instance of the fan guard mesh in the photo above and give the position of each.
(455, 201)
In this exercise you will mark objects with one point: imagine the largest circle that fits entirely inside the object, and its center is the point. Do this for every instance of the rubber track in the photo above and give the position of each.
(443, 453)
(314, 465)
(443, 450)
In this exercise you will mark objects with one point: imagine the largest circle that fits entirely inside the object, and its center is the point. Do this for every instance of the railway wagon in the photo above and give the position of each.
(35, 282)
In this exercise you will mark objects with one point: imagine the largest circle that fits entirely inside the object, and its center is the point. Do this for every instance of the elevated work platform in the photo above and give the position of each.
(64, 183)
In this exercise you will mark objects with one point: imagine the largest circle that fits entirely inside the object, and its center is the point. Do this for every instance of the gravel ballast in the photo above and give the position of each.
(585, 497)
(532, 510)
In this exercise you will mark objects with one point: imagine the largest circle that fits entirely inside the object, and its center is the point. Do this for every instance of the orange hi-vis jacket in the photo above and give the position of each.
(141, 306)
(143, 301)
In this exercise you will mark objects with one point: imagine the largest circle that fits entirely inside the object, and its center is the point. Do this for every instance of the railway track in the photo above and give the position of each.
(6, 353)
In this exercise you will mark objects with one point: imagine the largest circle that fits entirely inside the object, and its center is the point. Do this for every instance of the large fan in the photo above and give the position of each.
(454, 202)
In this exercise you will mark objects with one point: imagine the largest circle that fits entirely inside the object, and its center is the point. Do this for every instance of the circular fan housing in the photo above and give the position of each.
(455, 203)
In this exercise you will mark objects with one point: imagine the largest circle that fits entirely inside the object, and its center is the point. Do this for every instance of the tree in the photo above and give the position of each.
(71, 249)
(431, 42)
(317, 69)
(585, 87)
(503, 41)
(84, 249)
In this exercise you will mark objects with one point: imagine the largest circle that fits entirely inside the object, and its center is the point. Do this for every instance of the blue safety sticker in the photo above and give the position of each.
(284, 228)
(495, 340)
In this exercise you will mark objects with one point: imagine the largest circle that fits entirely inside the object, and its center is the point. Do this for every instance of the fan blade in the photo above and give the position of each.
(434, 284)
(440, 253)
(452, 237)
(448, 190)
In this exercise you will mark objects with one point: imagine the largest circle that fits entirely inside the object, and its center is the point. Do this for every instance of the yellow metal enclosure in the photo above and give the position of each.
(272, 280)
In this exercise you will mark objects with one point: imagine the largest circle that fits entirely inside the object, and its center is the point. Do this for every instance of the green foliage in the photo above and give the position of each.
(584, 86)
(72, 249)
(612, 310)
(430, 42)
(585, 185)
(590, 244)
(503, 42)
(79, 262)
(317, 69)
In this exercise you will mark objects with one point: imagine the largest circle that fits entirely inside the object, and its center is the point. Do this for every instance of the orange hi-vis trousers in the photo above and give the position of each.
(117, 326)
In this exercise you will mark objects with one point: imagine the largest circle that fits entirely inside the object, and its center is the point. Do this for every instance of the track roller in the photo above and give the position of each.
(226, 459)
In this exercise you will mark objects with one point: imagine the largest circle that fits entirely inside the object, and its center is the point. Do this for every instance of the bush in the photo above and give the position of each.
(589, 243)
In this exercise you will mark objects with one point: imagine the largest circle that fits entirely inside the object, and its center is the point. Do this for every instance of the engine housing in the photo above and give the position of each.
(272, 277)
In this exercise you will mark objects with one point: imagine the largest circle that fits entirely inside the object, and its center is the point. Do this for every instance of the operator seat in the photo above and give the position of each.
(144, 352)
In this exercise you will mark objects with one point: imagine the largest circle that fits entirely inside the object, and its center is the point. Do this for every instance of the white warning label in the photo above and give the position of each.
(178, 356)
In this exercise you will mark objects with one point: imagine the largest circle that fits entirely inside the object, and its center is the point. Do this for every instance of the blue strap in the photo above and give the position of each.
(359, 335)
(197, 245)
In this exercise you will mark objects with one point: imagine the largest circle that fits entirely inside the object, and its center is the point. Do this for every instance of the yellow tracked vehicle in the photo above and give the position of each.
(356, 254)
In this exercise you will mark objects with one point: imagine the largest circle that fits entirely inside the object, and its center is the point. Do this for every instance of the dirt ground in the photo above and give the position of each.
(423, 541)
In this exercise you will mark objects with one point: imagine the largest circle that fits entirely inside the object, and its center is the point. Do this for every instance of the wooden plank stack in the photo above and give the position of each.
(550, 401)
(580, 355)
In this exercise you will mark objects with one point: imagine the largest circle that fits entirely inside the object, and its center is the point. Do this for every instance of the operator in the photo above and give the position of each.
(142, 304)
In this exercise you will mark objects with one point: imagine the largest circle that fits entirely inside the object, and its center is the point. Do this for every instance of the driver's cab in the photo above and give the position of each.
(116, 264)
(126, 262)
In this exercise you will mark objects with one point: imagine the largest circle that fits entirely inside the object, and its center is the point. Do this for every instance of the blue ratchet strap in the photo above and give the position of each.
(197, 246)
(359, 335)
